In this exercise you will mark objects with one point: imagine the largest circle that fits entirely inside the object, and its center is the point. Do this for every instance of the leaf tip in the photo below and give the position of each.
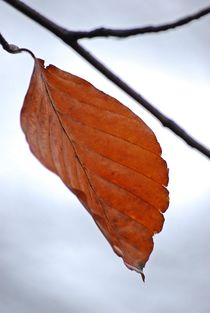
(143, 276)
(138, 269)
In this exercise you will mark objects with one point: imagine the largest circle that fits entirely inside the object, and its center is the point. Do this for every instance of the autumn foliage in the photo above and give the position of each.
(106, 155)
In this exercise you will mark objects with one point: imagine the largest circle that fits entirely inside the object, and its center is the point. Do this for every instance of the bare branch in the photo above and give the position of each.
(64, 35)
(123, 33)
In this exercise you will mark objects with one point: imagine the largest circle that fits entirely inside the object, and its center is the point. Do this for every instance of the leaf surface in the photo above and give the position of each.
(106, 155)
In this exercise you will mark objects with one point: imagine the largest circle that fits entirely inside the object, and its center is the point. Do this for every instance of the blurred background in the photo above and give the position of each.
(53, 259)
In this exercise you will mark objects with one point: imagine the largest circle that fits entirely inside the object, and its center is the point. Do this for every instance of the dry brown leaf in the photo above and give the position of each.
(104, 154)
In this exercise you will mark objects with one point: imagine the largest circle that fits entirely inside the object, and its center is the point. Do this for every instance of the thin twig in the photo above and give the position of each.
(123, 33)
(63, 34)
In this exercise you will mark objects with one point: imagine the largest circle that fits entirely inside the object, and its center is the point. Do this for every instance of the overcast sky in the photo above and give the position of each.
(53, 259)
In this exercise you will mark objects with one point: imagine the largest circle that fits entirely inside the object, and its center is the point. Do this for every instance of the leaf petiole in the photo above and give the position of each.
(11, 48)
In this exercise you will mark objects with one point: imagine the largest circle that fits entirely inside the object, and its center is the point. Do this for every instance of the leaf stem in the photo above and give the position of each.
(13, 48)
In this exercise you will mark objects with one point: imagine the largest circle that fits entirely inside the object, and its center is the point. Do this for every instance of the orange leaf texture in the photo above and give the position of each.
(106, 155)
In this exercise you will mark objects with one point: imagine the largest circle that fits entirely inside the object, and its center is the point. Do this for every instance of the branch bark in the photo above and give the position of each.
(63, 34)
(124, 33)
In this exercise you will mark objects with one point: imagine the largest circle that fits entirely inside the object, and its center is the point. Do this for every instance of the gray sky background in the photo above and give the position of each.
(53, 259)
